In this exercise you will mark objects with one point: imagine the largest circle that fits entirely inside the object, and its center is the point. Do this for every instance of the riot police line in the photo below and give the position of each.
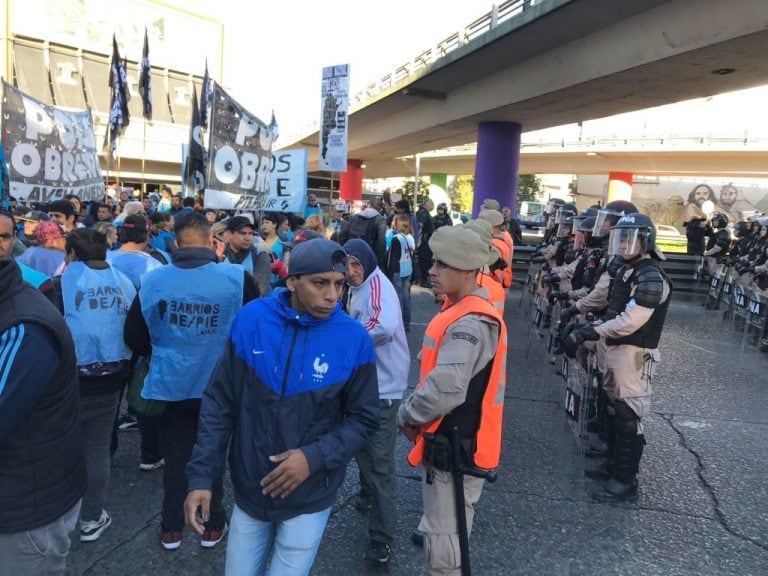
(732, 279)
(597, 298)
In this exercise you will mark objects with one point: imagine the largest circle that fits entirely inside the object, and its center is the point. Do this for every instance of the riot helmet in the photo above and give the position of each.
(632, 236)
(553, 205)
(581, 216)
(583, 236)
(742, 229)
(719, 221)
(565, 228)
(564, 212)
(609, 215)
(442, 206)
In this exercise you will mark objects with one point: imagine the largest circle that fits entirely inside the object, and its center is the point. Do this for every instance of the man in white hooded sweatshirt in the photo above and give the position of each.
(373, 302)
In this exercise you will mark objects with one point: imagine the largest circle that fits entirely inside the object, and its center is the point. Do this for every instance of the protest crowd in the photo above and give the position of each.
(274, 347)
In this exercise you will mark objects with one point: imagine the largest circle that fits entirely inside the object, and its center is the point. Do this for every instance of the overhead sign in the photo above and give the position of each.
(51, 152)
(288, 181)
(334, 100)
(240, 156)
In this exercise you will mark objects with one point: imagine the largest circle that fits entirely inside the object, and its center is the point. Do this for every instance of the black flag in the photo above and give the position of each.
(145, 79)
(205, 97)
(194, 178)
(118, 112)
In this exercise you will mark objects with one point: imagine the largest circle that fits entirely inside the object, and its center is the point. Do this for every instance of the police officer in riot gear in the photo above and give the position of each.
(638, 302)
(718, 243)
(597, 298)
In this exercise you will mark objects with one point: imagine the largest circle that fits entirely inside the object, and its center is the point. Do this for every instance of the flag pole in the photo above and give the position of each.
(109, 158)
(143, 159)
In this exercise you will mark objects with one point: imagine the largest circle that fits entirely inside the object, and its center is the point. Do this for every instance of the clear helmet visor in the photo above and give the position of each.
(604, 220)
(564, 230)
(580, 240)
(626, 243)
(563, 215)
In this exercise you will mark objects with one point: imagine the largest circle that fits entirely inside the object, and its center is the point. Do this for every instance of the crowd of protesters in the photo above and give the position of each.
(278, 343)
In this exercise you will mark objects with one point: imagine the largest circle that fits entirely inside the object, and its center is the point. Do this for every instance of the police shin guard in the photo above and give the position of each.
(603, 446)
(628, 449)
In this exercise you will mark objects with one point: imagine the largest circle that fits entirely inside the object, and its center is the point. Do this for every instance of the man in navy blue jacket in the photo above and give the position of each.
(296, 393)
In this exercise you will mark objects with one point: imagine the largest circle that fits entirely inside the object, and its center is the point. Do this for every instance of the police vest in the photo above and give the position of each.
(577, 281)
(96, 304)
(504, 276)
(485, 396)
(648, 335)
(496, 294)
(188, 312)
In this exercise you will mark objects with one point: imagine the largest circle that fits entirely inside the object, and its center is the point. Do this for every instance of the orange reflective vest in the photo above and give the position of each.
(496, 293)
(511, 244)
(488, 438)
(504, 276)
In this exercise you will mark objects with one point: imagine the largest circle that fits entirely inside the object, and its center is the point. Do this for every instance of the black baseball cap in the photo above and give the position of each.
(237, 223)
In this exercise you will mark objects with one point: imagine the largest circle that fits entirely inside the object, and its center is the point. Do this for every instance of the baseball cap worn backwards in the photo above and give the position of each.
(48, 230)
(317, 257)
(459, 248)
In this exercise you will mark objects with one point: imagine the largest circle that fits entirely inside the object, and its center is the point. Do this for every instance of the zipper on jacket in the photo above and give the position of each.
(269, 504)
(288, 363)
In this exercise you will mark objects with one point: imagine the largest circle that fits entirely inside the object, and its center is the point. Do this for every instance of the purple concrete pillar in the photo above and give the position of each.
(497, 163)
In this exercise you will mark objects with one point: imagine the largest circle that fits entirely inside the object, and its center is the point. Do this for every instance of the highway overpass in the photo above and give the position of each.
(557, 62)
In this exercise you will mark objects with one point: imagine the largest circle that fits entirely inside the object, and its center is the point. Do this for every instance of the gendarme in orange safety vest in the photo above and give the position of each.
(488, 437)
(504, 249)
(496, 293)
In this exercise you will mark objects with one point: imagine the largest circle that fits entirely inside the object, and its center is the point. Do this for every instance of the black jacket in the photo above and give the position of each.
(43, 470)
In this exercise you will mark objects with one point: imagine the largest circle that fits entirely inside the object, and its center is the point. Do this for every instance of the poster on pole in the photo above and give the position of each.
(334, 99)
(240, 156)
(288, 181)
(51, 152)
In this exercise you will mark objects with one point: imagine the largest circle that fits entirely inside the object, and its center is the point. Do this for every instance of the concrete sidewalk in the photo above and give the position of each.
(703, 508)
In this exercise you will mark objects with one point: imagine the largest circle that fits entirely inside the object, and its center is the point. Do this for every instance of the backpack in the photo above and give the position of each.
(365, 229)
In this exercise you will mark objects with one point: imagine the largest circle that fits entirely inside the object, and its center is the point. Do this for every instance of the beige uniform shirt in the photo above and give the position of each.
(597, 298)
(468, 346)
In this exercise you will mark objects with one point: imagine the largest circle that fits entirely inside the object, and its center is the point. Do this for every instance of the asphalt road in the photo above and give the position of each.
(703, 508)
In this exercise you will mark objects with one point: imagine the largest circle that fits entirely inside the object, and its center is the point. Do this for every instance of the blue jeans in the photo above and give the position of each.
(292, 544)
(403, 289)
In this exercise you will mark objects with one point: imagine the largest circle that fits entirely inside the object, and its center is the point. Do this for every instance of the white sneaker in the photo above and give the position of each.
(91, 530)
(152, 465)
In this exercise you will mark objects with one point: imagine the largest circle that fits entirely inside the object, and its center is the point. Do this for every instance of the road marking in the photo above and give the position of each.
(695, 346)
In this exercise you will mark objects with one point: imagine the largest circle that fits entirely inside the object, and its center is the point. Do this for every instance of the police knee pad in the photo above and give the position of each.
(626, 419)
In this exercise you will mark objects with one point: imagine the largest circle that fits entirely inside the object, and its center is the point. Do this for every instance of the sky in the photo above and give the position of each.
(274, 52)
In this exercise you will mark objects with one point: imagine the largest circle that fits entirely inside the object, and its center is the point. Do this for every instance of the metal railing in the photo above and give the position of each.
(499, 13)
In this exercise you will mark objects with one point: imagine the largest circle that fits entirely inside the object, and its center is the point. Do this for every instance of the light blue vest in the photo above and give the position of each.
(96, 304)
(189, 313)
(32, 276)
(132, 264)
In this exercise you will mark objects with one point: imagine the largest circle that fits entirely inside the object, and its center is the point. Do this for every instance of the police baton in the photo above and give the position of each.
(459, 469)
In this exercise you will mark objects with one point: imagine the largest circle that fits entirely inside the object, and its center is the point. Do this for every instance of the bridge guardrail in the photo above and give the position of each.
(680, 268)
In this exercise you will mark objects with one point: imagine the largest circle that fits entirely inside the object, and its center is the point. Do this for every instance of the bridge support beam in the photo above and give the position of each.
(619, 186)
(497, 164)
(351, 181)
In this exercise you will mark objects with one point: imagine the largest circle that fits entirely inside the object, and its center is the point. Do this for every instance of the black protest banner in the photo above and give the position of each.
(51, 152)
(240, 156)
(194, 168)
